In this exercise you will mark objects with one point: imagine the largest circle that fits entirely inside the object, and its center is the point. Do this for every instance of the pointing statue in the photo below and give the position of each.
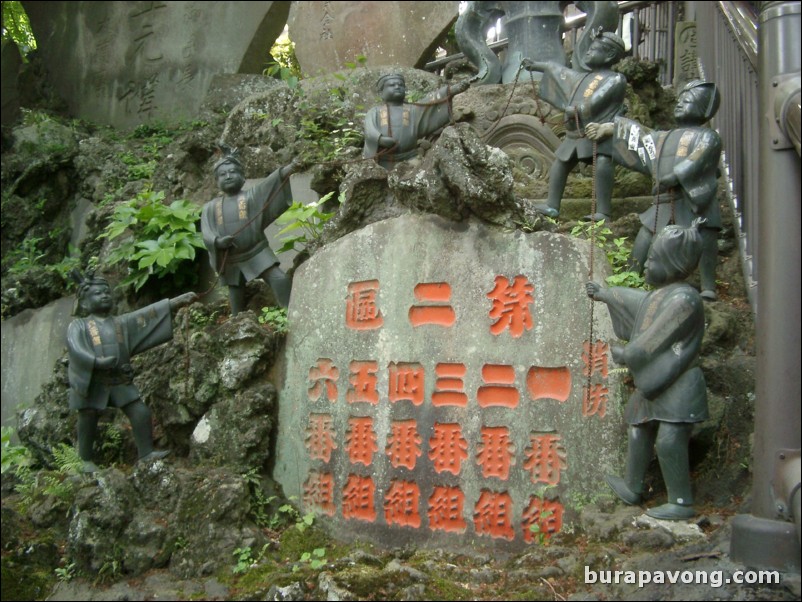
(664, 330)
(100, 349)
(393, 129)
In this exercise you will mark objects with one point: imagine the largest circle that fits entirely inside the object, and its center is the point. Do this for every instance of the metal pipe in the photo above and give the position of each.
(672, 24)
(765, 538)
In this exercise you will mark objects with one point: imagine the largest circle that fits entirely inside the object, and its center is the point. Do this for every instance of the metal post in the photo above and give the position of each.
(767, 537)
(672, 26)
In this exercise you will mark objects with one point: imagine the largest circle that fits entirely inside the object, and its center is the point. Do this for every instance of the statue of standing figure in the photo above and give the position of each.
(664, 330)
(233, 228)
(100, 349)
(392, 130)
(683, 163)
(584, 97)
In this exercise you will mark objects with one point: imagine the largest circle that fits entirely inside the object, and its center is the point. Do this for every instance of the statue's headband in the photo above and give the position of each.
(85, 281)
(384, 78)
(229, 155)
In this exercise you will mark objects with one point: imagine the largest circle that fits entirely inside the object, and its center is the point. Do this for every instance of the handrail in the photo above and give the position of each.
(743, 25)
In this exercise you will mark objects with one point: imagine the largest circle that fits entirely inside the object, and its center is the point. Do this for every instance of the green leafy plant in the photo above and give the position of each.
(275, 317)
(285, 64)
(245, 560)
(316, 559)
(161, 239)
(17, 28)
(66, 573)
(36, 485)
(617, 250)
(13, 456)
(26, 256)
(539, 536)
(305, 221)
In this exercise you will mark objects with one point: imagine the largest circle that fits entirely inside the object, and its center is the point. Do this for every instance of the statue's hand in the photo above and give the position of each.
(224, 242)
(617, 352)
(598, 131)
(530, 65)
(665, 184)
(386, 142)
(460, 87)
(105, 362)
(128, 371)
(594, 290)
(183, 300)
(297, 164)
(570, 112)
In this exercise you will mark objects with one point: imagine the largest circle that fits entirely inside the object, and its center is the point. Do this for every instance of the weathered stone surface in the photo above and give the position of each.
(395, 33)
(32, 342)
(129, 524)
(420, 323)
(236, 431)
(148, 61)
(460, 176)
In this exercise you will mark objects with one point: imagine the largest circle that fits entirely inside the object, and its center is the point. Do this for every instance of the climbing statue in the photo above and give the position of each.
(683, 163)
(533, 29)
(100, 374)
(664, 330)
(392, 130)
(233, 228)
(584, 98)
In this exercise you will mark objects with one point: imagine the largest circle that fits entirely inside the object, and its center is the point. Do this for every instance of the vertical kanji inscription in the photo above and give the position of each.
(447, 448)
(445, 510)
(510, 308)
(361, 306)
(358, 495)
(545, 458)
(493, 515)
(323, 378)
(363, 380)
(401, 504)
(403, 444)
(496, 452)
(360, 440)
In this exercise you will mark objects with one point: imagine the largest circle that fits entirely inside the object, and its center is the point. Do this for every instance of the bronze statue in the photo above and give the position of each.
(684, 165)
(100, 374)
(532, 29)
(392, 130)
(584, 98)
(233, 228)
(664, 330)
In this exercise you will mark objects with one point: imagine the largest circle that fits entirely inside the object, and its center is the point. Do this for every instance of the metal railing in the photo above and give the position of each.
(728, 56)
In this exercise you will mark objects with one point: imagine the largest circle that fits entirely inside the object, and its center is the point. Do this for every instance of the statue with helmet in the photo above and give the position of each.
(683, 163)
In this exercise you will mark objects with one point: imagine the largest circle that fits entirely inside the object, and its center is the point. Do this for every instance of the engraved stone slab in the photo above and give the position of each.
(328, 35)
(436, 385)
(127, 63)
(686, 61)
